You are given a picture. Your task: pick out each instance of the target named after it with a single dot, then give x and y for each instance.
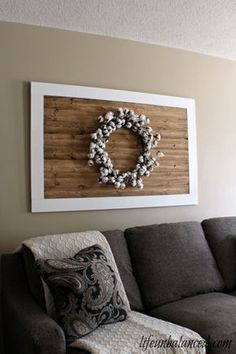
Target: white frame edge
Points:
(40, 204)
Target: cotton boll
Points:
(131, 118)
(160, 154)
(104, 179)
(157, 136)
(91, 156)
(141, 172)
(92, 146)
(105, 131)
(117, 185)
(109, 165)
(97, 160)
(120, 179)
(112, 180)
(144, 134)
(146, 154)
(154, 144)
(105, 171)
(109, 115)
(140, 183)
(104, 159)
(100, 144)
(94, 136)
(142, 117)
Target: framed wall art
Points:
(95, 148)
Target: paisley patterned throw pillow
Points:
(85, 291)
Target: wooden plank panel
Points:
(68, 123)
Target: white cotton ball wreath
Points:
(98, 155)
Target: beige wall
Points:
(33, 53)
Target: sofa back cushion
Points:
(120, 252)
(172, 261)
(221, 236)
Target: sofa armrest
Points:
(27, 328)
(1, 320)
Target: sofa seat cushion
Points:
(212, 315)
(119, 247)
(172, 261)
(128, 337)
(221, 236)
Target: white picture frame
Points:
(41, 204)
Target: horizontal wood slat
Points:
(68, 123)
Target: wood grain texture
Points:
(68, 123)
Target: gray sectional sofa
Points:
(183, 273)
